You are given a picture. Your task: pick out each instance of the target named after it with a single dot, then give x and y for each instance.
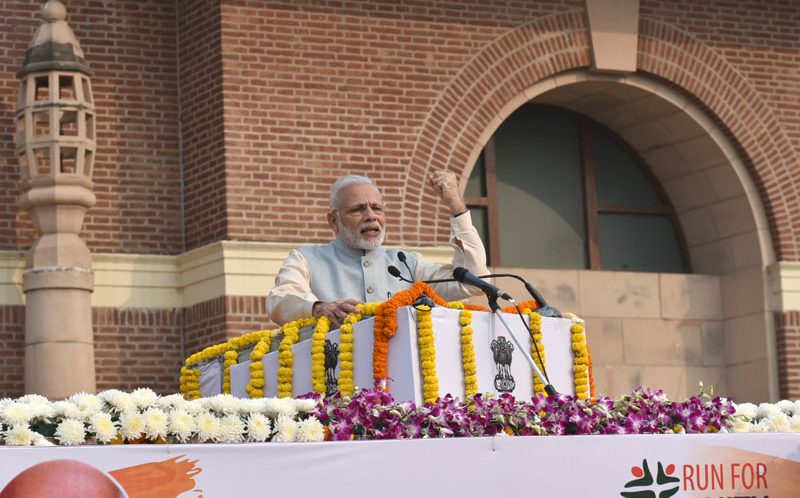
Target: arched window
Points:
(555, 189)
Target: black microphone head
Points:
(459, 273)
(401, 256)
(393, 271)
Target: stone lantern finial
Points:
(55, 144)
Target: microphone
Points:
(402, 257)
(395, 272)
(466, 277)
(544, 308)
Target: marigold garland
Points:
(345, 379)
(190, 383)
(427, 354)
(386, 326)
(255, 386)
(231, 359)
(318, 354)
(291, 333)
(468, 354)
(580, 354)
(535, 322)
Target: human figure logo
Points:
(663, 486)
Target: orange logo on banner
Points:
(167, 479)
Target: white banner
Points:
(648, 466)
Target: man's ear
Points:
(332, 222)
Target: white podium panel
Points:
(495, 373)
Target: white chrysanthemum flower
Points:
(767, 410)
(88, 404)
(231, 429)
(144, 397)
(170, 402)
(762, 425)
(182, 424)
(132, 425)
(222, 403)
(740, 425)
(208, 427)
(285, 429)
(16, 414)
(157, 423)
(103, 428)
(785, 406)
(280, 406)
(39, 440)
(67, 409)
(794, 423)
(19, 435)
(120, 401)
(71, 432)
(34, 399)
(779, 423)
(195, 406)
(309, 429)
(746, 410)
(259, 427)
(305, 405)
(248, 405)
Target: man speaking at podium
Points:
(331, 279)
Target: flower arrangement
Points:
(385, 327)
(116, 417)
(375, 415)
(783, 416)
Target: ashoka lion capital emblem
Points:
(502, 349)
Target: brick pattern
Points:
(787, 339)
(137, 348)
(743, 71)
(12, 351)
(201, 107)
(131, 47)
(246, 314)
(316, 89)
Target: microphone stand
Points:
(548, 387)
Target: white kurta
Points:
(333, 271)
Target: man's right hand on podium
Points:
(336, 311)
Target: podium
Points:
(496, 373)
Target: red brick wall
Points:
(132, 49)
(201, 101)
(12, 351)
(137, 348)
(787, 339)
(740, 61)
(316, 89)
(214, 321)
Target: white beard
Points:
(354, 240)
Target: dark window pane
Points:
(476, 184)
(638, 243)
(619, 180)
(539, 190)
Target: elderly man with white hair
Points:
(331, 279)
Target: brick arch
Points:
(501, 71)
(672, 55)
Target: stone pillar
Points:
(55, 148)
